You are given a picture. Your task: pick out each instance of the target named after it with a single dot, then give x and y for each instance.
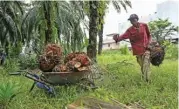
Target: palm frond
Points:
(128, 3)
(124, 3)
(19, 5)
(116, 6)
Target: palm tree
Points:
(57, 22)
(93, 16)
(71, 33)
(96, 15)
(103, 6)
(10, 23)
(41, 17)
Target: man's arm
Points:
(122, 37)
(148, 33)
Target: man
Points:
(139, 36)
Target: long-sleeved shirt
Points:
(139, 38)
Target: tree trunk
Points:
(48, 32)
(100, 45)
(7, 48)
(91, 49)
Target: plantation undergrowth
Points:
(121, 81)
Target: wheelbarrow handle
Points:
(37, 81)
(40, 84)
(15, 73)
(29, 75)
(33, 77)
(19, 72)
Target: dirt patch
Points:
(93, 103)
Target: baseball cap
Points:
(133, 16)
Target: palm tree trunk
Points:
(91, 49)
(100, 45)
(7, 48)
(48, 32)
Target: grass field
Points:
(121, 81)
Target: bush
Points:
(15, 50)
(28, 62)
(8, 90)
(171, 50)
(124, 50)
(108, 52)
(11, 64)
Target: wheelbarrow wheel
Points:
(87, 84)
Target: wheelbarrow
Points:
(47, 80)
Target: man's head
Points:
(133, 19)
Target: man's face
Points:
(134, 22)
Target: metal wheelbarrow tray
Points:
(63, 78)
(46, 80)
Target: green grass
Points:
(121, 81)
(128, 87)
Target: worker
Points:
(140, 38)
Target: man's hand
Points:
(152, 44)
(115, 37)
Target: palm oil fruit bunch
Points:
(50, 58)
(78, 61)
(157, 54)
